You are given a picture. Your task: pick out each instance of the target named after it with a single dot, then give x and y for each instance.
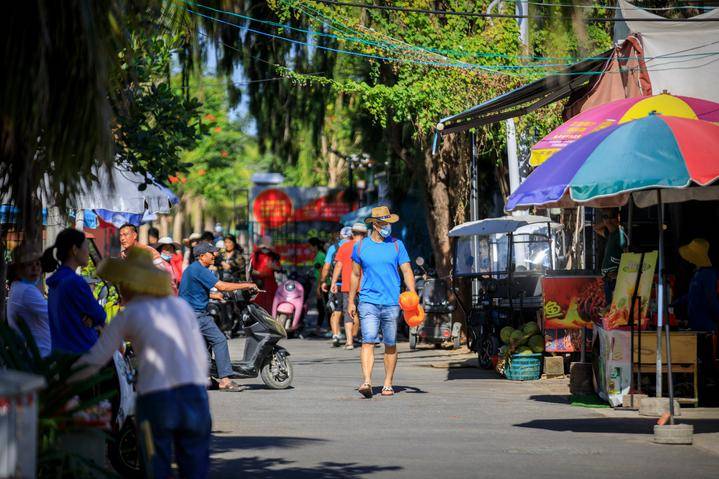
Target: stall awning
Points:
(529, 97)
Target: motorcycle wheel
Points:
(488, 347)
(277, 372)
(123, 450)
(412, 340)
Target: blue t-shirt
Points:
(197, 281)
(332, 250)
(69, 302)
(380, 273)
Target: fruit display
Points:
(517, 338)
(524, 341)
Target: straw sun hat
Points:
(382, 213)
(136, 273)
(696, 253)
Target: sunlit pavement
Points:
(444, 422)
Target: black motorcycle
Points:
(484, 323)
(438, 327)
(262, 356)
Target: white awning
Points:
(501, 225)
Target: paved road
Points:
(445, 422)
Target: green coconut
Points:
(536, 343)
(505, 334)
(530, 328)
(524, 351)
(517, 337)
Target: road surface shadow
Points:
(276, 468)
(233, 443)
(616, 425)
(471, 373)
(551, 398)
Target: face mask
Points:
(166, 256)
(385, 231)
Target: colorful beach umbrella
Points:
(601, 169)
(617, 113)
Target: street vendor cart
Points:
(505, 258)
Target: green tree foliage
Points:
(154, 121)
(223, 162)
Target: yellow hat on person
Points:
(382, 213)
(696, 253)
(136, 273)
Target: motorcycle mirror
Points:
(419, 261)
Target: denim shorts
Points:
(376, 317)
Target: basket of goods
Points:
(520, 358)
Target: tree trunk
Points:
(195, 208)
(445, 177)
(178, 223)
(164, 226)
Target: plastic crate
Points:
(524, 367)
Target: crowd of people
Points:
(165, 289)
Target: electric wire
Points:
(484, 69)
(612, 7)
(429, 11)
(388, 46)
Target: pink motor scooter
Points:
(289, 306)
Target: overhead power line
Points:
(494, 69)
(429, 11)
(612, 7)
(355, 37)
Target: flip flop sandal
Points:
(387, 391)
(365, 390)
(349, 346)
(232, 388)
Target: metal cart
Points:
(505, 259)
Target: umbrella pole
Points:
(661, 300)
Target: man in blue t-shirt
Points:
(195, 288)
(378, 259)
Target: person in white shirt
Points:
(172, 405)
(26, 301)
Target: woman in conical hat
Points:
(172, 406)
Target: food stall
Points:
(505, 259)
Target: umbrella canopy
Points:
(118, 191)
(501, 225)
(617, 113)
(603, 168)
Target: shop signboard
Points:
(293, 215)
(618, 314)
(571, 303)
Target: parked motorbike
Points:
(438, 327)
(289, 305)
(484, 323)
(262, 355)
(123, 447)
